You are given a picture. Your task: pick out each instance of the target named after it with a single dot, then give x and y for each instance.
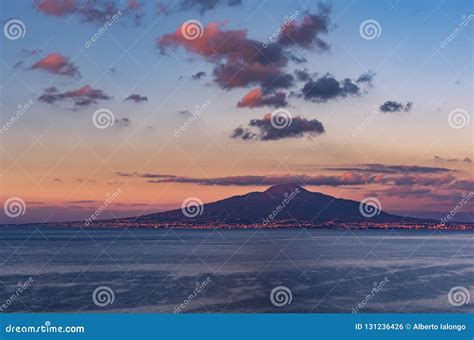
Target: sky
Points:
(144, 104)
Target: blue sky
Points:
(57, 140)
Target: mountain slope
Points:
(282, 202)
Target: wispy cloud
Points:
(81, 97)
(451, 160)
(391, 169)
(136, 98)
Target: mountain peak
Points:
(284, 202)
(286, 188)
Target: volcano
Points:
(277, 205)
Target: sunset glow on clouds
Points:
(366, 116)
(57, 64)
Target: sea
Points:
(235, 270)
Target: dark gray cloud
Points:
(136, 98)
(254, 180)
(83, 201)
(202, 6)
(393, 106)
(122, 122)
(306, 34)
(302, 75)
(397, 185)
(407, 192)
(198, 75)
(449, 160)
(366, 77)
(242, 74)
(297, 59)
(81, 97)
(392, 169)
(264, 130)
(467, 185)
(185, 112)
(18, 64)
(327, 87)
(93, 11)
(410, 180)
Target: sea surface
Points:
(223, 271)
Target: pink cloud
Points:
(57, 64)
(56, 7)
